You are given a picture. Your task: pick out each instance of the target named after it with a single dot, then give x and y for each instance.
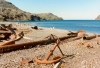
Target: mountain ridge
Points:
(9, 12)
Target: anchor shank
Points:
(47, 57)
(57, 46)
(51, 51)
(60, 51)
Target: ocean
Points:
(92, 26)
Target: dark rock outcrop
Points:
(9, 12)
(98, 18)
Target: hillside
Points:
(9, 12)
(98, 18)
(49, 16)
(5, 4)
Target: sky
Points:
(67, 9)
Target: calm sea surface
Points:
(74, 25)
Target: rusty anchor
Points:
(45, 61)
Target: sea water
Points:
(92, 26)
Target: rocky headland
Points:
(98, 18)
(9, 12)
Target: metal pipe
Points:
(12, 47)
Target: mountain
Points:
(9, 12)
(5, 4)
(98, 18)
(48, 16)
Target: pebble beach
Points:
(76, 55)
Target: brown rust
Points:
(6, 36)
(13, 47)
(8, 29)
(8, 43)
(89, 46)
(3, 27)
(53, 36)
(25, 62)
(79, 33)
(90, 37)
(46, 61)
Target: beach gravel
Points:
(76, 55)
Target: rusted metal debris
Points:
(54, 37)
(8, 43)
(25, 62)
(3, 27)
(9, 33)
(13, 47)
(55, 59)
(6, 35)
(79, 33)
(46, 60)
(89, 46)
(91, 38)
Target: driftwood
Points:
(13, 47)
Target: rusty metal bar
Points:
(13, 47)
(8, 43)
(58, 46)
(90, 37)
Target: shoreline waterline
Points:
(91, 26)
(51, 28)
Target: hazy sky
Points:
(67, 9)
